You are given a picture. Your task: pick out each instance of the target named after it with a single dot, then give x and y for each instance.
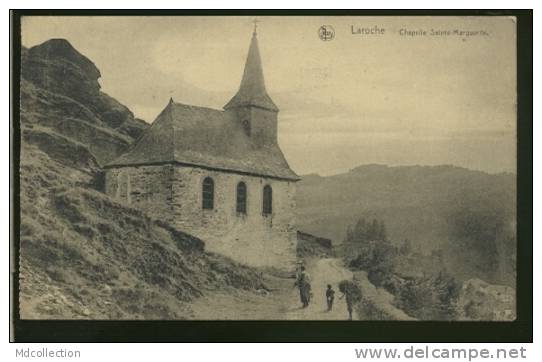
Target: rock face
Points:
(82, 254)
(61, 97)
(479, 300)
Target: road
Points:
(322, 273)
(283, 302)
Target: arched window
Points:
(208, 193)
(241, 198)
(267, 207)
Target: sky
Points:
(397, 98)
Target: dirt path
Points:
(283, 302)
(322, 273)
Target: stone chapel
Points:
(217, 174)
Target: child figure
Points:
(330, 295)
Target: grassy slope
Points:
(84, 255)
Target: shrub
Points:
(377, 258)
(429, 298)
(351, 289)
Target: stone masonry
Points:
(173, 193)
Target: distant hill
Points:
(82, 254)
(468, 215)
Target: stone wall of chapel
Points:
(251, 238)
(146, 187)
(174, 194)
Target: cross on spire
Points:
(252, 91)
(255, 21)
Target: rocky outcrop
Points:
(57, 67)
(479, 300)
(60, 93)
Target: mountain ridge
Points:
(368, 166)
(436, 208)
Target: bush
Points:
(351, 289)
(432, 297)
(429, 298)
(372, 311)
(377, 258)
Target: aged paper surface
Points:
(299, 168)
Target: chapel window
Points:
(208, 193)
(267, 206)
(241, 198)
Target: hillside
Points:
(468, 216)
(83, 255)
(60, 96)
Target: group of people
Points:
(303, 282)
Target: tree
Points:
(349, 234)
(363, 231)
(406, 247)
(429, 297)
(360, 230)
(375, 257)
(382, 233)
(374, 230)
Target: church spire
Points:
(252, 90)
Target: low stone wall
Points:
(313, 246)
(326, 243)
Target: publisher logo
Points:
(326, 33)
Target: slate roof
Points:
(204, 137)
(211, 138)
(252, 90)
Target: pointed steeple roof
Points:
(252, 90)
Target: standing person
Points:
(304, 285)
(298, 283)
(330, 295)
(307, 287)
(352, 293)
